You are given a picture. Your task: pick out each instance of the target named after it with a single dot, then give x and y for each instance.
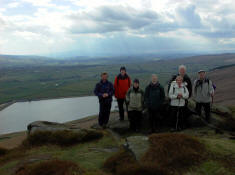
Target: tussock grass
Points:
(174, 151)
(124, 163)
(167, 154)
(52, 167)
(118, 160)
(12, 155)
(61, 138)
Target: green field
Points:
(40, 82)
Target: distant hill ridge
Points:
(224, 79)
(223, 67)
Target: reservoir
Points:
(17, 116)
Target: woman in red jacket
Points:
(121, 85)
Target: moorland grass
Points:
(51, 167)
(61, 138)
(167, 154)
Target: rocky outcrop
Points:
(49, 126)
(138, 145)
(221, 118)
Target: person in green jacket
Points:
(135, 102)
(154, 98)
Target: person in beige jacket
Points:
(135, 102)
(203, 93)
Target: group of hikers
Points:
(180, 89)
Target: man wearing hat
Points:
(203, 93)
(122, 83)
(104, 90)
(135, 102)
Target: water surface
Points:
(17, 116)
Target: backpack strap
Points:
(129, 81)
(169, 83)
(184, 89)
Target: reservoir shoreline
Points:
(5, 105)
(15, 116)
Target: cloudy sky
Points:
(90, 27)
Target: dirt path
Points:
(13, 140)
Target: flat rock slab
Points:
(120, 127)
(106, 150)
(221, 110)
(138, 145)
(49, 126)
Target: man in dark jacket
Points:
(182, 73)
(122, 83)
(104, 90)
(154, 98)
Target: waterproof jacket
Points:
(175, 90)
(121, 86)
(104, 87)
(185, 79)
(202, 91)
(154, 96)
(135, 99)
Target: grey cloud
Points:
(118, 18)
(37, 29)
(218, 34)
(111, 19)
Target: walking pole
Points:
(177, 120)
(212, 100)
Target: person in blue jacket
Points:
(104, 90)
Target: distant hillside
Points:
(224, 79)
(26, 78)
(202, 61)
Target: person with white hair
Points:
(154, 98)
(182, 72)
(178, 94)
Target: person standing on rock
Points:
(178, 94)
(154, 98)
(104, 90)
(203, 93)
(122, 83)
(135, 102)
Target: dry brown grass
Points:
(3, 152)
(175, 152)
(120, 158)
(168, 154)
(16, 153)
(52, 167)
(61, 138)
(124, 163)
